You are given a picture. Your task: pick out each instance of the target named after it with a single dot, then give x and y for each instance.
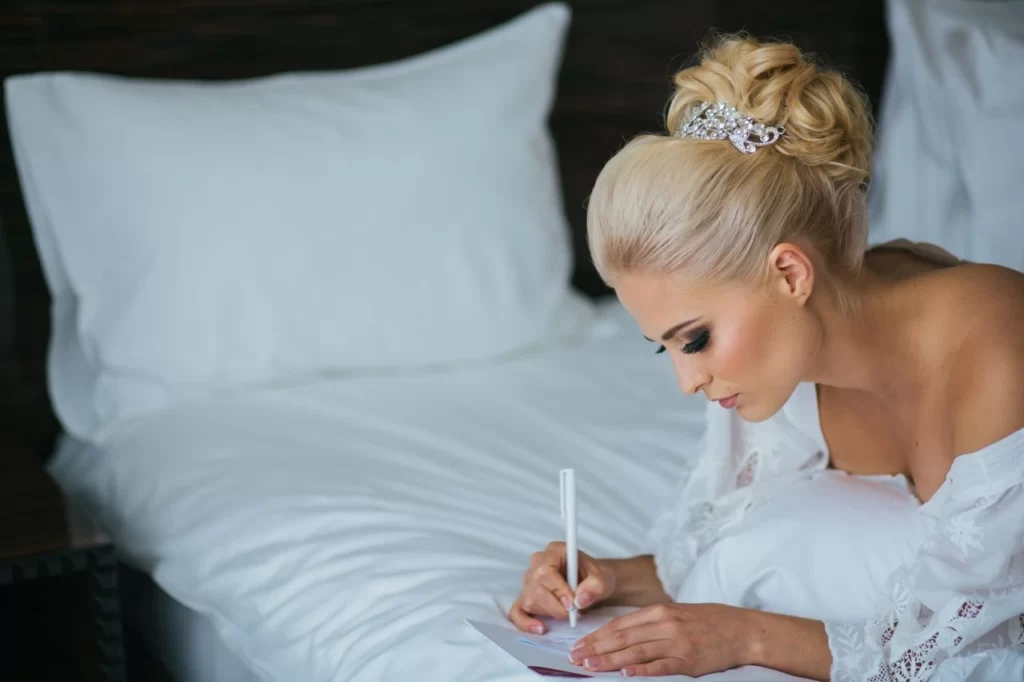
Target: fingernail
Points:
(582, 600)
(538, 629)
(592, 662)
(575, 656)
(626, 672)
(578, 645)
(567, 603)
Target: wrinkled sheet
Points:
(342, 529)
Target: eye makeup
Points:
(699, 342)
(695, 346)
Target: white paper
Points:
(561, 637)
(550, 650)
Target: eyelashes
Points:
(695, 346)
(698, 344)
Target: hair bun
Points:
(825, 116)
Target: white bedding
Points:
(341, 530)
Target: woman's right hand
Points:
(546, 593)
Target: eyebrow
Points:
(667, 336)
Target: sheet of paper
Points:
(561, 636)
(548, 654)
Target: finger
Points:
(624, 639)
(539, 602)
(553, 555)
(638, 654)
(549, 578)
(591, 590)
(523, 621)
(648, 614)
(664, 666)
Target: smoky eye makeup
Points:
(698, 343)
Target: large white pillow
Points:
(822, 549)
(949, 162)
(203, 235)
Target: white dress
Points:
(956, 612)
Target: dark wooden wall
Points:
(614, 83)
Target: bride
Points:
(738, 244)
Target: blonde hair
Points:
(664, 204)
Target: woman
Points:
(738, 243)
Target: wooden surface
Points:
(614, 83)
(59, 602)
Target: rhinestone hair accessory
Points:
(721, 120)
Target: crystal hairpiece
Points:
(721, 120)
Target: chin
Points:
(753, 410)
(750, 414)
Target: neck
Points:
(869, 349)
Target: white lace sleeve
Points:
(740, 464)
(684, 530)
(957, 611)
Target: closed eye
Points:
(698, 344)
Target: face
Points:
(747, 347)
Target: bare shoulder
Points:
(983, 310)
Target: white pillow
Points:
(949, 160)
(203, 235)
(822, 549)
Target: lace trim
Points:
(919, 662)
(748, 473)
(858, 653)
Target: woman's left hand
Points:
(669, 639)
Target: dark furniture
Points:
(60, 612)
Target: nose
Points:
(691, 377)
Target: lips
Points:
(730, 402)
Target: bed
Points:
(397, 506)
(340, 527)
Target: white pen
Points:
(567, 485)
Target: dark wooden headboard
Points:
(614, 83)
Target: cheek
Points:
(741, 352)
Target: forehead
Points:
(661, 301)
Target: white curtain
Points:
(949, 162)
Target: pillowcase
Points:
(948, 161)
(822, 549)
(201, 236)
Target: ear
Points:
(791, 272)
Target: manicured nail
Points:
(538, 629)
(582, 600)
(578, 645)
(567, 603)
(592, 662)
(626, 672)
(575, 656)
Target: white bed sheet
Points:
(342, 529)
